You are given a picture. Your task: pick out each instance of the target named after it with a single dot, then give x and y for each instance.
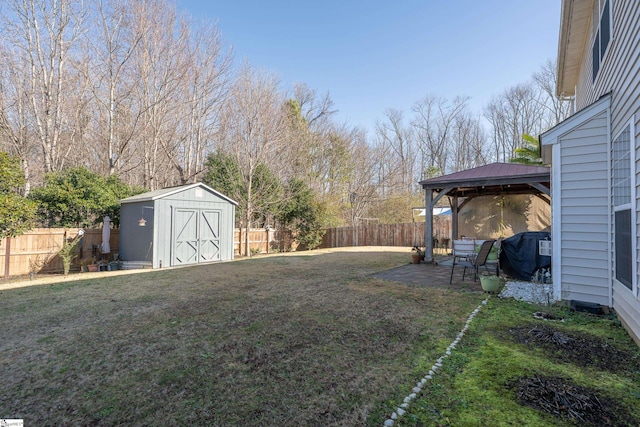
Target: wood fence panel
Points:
(262, 241)
(404, 234)
(38, 249)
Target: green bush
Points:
(78, 197)
(17, 214)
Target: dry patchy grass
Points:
(280, 340)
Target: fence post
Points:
(7, 257)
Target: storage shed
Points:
(175, 226)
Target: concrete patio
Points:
(432, 275)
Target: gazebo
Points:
(495, 179)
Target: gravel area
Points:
(536, 293)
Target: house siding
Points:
(636, 170)
(626, 306)
(583, 213)
(625, 301)
(620, 71)
(619, 75)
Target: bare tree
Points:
(395, 139)
(557, 109)
(203, 91)
(346, 164)
(360, 188)
(516, 111)
(253, 131)
(45, 35)
(433, 121)
(14, 114)
(527, 108)
(113, 40)
(160, 68)
(468, 147)
(311, 138)
(336, 165)
(315, 111)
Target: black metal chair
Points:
(474, 261)
(495, 262)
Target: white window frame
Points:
(598, 31)
(630, 206)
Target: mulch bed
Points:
(559, 396)
(573, 347)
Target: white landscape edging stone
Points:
(402, 409)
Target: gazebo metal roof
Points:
(493, 179)
(490, 180)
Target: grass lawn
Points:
(290, 340)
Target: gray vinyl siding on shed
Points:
(135, 241)
(187, 200)
(204, 216)
(584, 215)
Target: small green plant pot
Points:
(491, 284)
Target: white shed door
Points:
(196, 236)
(209, 236)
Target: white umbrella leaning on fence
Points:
(106, 234)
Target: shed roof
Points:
(164, 192)
(491, 179)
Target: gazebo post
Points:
(428, 229)
(454, 218)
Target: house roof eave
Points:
(552, 135)
(575, 19)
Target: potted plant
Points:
(493, 254)
(115, 263)
(491, 283)
(417, 255)
(84, 264)
(93, 267)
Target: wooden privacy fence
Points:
(262, 241)
(405, 234)
(37, 250)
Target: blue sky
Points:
(373, 55)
